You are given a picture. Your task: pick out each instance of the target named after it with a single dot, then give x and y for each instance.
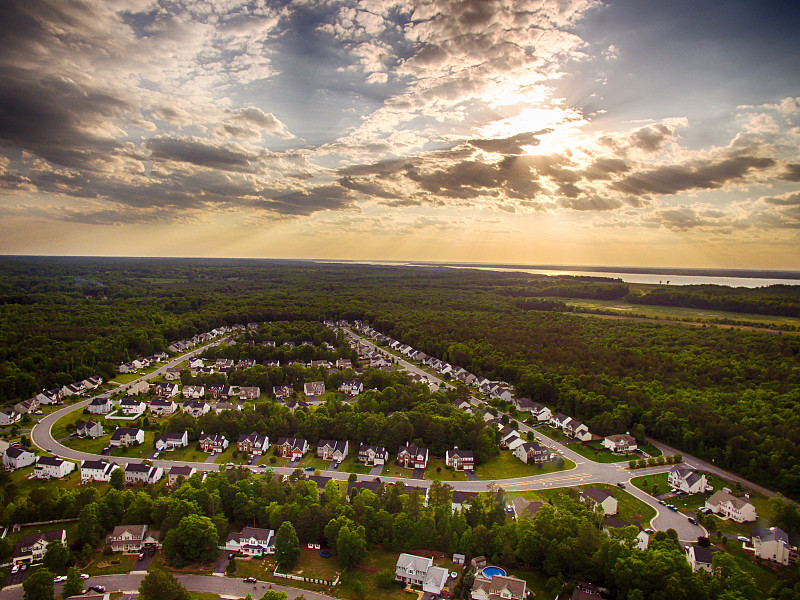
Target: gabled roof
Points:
(49, 461)
(596, 494)
(417, 563)
(137, 468)
(773, 534)
(515, 586)
(122, 431)
(702, 555)
(460, 497)
(461, 453)
(181, 470)
(16, 452)
(100, 465)
(294, 443)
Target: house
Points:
(558, 420)
(508, 435)
(620, 444)
(51, 467)
(344, 363)
(196, 409)
(463, 405)
(772, 544)
(126, 436)
(251, 541)
(314, 388)
(459, 499)
(282, 391)
(172, 374)
(132, 538)
(17, 458)
(294, 448)
(249, 393)
(577, 430)
(26, 406)
(699, 558)
(687, 481)
(435, 580)
(595, 497)
(411, 569)
(127, 368)
(142, 473)
(167, 390)
(372, 455)
(293, 405)
(413, 456)
(223, 406)
(213, 443)
(181, 471)
(53, 396)
(129, 406)
(9, 416)
(163, 406)
(73, 389)
(460, 460)
(96, 470)
(524, 404)
(170, 441)
(99, 406)
(140, 387)
(90, 429)
(499, 587)
(532, 452)
(223, 364)
(333, 449)
(728, 506)
(525, 508)
(351, 388)
(642, 537)
(253, 443)
(193, 392)
(31, 548)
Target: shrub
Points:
(678, 458)
(669, 460)
(273, 460)
(107, 551)
(651, 461)
(231, 568)
(385, 579)
(641, 463)
(660, 460)
(632, 463)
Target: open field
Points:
(626, 309)
(508, 466)
(125, 378)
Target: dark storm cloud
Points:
(792, 172)
(510, 145)
(201, 153)
(704, 175)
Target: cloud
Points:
(251, 122)
(307, 202)
(510, 145)
(201, 153)
(650, 139)
(789, 199)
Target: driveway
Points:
(254, 459)
(376, 470)
(211, 458)
(418, 474)
(471, 475)
(141, 566)
(16, 578)
(293, 464)
(222, 564)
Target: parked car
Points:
(310, 469)
(100, 589)
(84, 576)
(622, 485)
(692, 520)
(742, 538)
(24, 566)
(15, 568)
(231, 555)
(59, 578)
(250, 580)
(141, 556)
(151, 551)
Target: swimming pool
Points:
(490, 572)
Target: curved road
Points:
(227, 587)
(584, 472)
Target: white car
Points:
(59, 578)
(741, 538)
(15, 568)
(84, 576)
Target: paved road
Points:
(224, 586)
(584, 472)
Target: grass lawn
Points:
(87, 444)
(438, 471)
(203, 596)
(629, 508)
(655, 485)
(125, 378)
(393, 469)
(59, 429)
(595, 452)
(143, 450)
(188, 454)
(280, 461)
(554, 434)
(71, 528)
(537, 583)
(311, 460)
(227, 457)
(508, 466)
(110, 565)
(351, 465)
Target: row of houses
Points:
(14, 414)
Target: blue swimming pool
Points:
(490, 572)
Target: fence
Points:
(335, 582)
(17, 526)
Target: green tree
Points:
(39, 585)
(287, 546)
(273, 595)
(90, 530)
(117, 479)
(56, 556)
(351, 546)
(73, 586)
(195, 539)
(161, 585)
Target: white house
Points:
(499, 587)
(251, 541)
(372, 455)
(531, 452)
(167, 390)
(170, 441)
(96, 470)
(163, 406)
(729, 506)
(333, 449)
(17, 458)
(351, 388)
(196, 409)
(131, 406)
(132, 538)
(31, 548)
(577, 430)
(620, 444)
(411, 569)
(193, 392)
(599, 498)
(126, 436)
(142, 473)
(90, 429)
(180, 471)
(51, 467)
(687, 480)
(772, 544)
(140, 387)
(9, 416)
(99, 406)
(699, 558)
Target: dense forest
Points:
(726, 395)
(780, 300)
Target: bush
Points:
(273, 460)
(107, 551)
(641, 463)
(678, 458)
(651, 461)
(632, 463)
(198, 447)
(231, 568)
(669, 460)
(235, 454)
(385, 579)
(660, 460)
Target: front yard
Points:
(596, 452)
(188, 454)
(110, 565)
(508, 466)
(438, 471)
(352, 465)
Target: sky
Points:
(573, 132)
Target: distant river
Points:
(661, 276)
